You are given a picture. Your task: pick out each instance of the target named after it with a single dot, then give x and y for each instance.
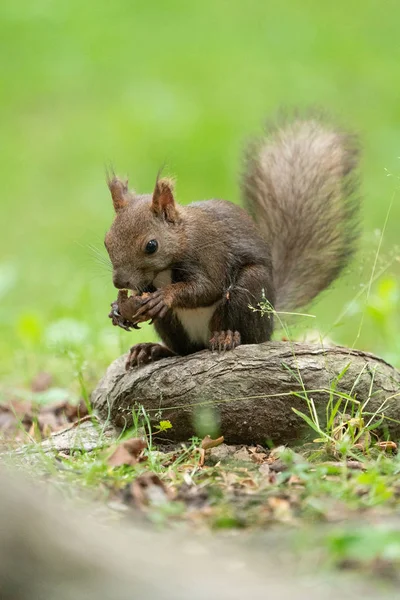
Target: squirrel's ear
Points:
(163, 204)
(119, 192)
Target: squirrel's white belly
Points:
(196, 322)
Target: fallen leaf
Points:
(208, 442)
(17, 417)
(147, 490)
(387, 446)
(360, 446)
(258, 454)
(248, 483)
(127, 453)
(280, 508)
(41, 382)
(275, 453)
(229, 479)
(76, 411)
(202, 457)
(34, 432)
(47, 430)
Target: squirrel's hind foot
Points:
(224, 340)
(141, 354)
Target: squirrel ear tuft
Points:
(163, 204)
(119, 191)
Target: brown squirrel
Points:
(197, 270)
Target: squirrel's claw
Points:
(119, 321)
(153, 307)
(141, 354)
(224, 340)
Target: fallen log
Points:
(251, 391)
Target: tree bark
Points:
(250, 392)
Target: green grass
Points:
(143, 84)
(340, 513)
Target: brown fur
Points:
(163, 204)
(300, 186)
(213, 262)
(119, 192)
(134, 225)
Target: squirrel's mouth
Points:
(145, 289)
(148, 289)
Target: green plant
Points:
(348, 425)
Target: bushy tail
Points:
(300, 186)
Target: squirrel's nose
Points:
(120, 282)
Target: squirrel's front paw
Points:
(118, 320)
(122, 310)
(225, 340)
(153, 306)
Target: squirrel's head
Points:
(145, 237)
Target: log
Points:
(85, 435)
(251, 391)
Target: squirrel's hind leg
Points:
(141, 354)
(234, 322)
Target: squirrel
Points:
(198, 271)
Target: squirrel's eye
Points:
(151, 247)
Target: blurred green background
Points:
(142, 84)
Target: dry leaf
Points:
(147, 490)
(76, 411)
(47, 430)
(248, 483)
(41, 382)
(387, 446)
(34, 432)
(127, 453)
(280, 508)
(17, 418)
(295, 480)
(208, 442)
(202, 457)
(258, 454)
(275, 454)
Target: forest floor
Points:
(336, 512)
